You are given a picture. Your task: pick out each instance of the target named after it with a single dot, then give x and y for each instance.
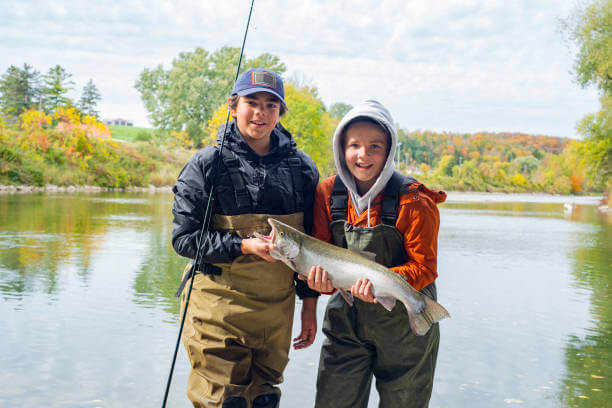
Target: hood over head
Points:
(376, 111)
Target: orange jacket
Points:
(418, 220)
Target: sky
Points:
(439, 65)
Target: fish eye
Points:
(282, 233)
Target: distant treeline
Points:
(511, 162)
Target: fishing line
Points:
(206, 220)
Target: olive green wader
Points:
(237, 331)
(367, 339)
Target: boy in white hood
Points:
(370, 208)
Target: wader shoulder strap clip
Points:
(232, 164)
(295, 165)
(208, 270)
(338, 201)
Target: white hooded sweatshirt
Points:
(373, 110)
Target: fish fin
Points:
(347, 296)
(388, 302)
(432, 312)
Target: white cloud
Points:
(464, 65)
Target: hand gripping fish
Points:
(344, 267)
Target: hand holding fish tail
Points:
(362, 289)
(259, 247)
(317, 280)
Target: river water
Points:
(88, 317)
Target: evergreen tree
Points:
(57, 84)
(89, 99)
(19, 90)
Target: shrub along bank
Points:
(67, 148)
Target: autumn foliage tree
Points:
(590, 28)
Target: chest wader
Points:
(237, 330)
(366, 339)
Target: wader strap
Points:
(390, 199)
(232, 164)
(295, 164)
(208, 270)
(338, 201)
(391, 195)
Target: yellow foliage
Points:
(518, 179)
(180, 139)
(68, 115)
(214, 123)
(311, 127)
(95, 128)
(34, 120)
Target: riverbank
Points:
(452, 196)
(472, 197)
(50, 188)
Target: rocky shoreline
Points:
(51, 188)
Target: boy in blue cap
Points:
(238, 326)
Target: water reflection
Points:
(88, 315)
(588, 358)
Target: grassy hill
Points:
(131, 133)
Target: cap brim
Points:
(251, 91)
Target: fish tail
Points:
(432, 312)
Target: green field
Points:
(131, 133)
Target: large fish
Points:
(344, 267)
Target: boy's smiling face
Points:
(256, 115)
(366, 146)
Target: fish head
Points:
(286, 241)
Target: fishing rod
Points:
(206, 220)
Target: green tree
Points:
(339, 109)
(445, 166)
(526, 164)
(19, 90)
(57, 84)
(89, 99)
(597, 146)
(185, 96)
(590, 28)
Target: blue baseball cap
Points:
(260, 80)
